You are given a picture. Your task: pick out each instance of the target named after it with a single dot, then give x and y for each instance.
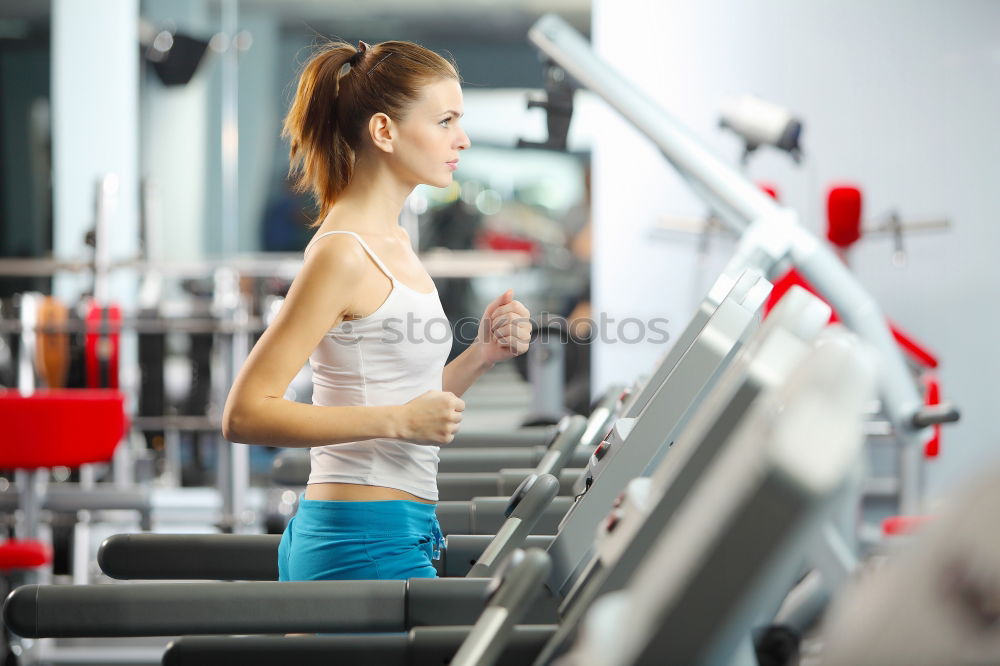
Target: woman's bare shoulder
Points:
(332, 267)
(335, 252)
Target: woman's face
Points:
(430, 137)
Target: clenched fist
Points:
(505, 329)
(431, 418)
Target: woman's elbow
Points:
(233, 422)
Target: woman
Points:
(368, 125)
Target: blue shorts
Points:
(382, 540)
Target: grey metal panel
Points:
(69, 498)
(529, 436)
(433, 646)
(489, 460)
(457, 486)
(769, 358)
(653, 430)
(712, 427)
(744, 527)
(454, 517)
(385, 650)
(462, 550)
(725, 287)
(458, 602)
(422, 646)
(638, 401)
(488, 515)
(190, 556)
(171, 609)
(35, 611)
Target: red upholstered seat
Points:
(23, 554)
(60, 428)
(57, 428)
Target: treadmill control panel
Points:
(626, 515)
(615, 439)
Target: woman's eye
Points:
(444, 123)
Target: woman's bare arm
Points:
(464, 370)
(504, 332)
(256, 411)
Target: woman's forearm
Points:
(464, 370)
(275, 421)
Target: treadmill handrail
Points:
(771, 234)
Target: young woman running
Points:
(367, 126)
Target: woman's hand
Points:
(505, 329)
(431, 418)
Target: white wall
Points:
(181, 128)
(901, 97)
(175, 138)
(95, 99)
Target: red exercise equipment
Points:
(101, 346)
(64, 427)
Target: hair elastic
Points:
(359, 54)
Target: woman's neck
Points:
(372, 201)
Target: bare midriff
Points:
(356, 492)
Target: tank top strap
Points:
(371, 252)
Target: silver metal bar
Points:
(81, 549)
(178, 423)
(107, 201)
(171, 476)
(142, 325)
(439, 262)
(26, 353)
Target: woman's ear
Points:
(382, 131)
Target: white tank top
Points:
(387, 358)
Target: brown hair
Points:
(340, 89)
